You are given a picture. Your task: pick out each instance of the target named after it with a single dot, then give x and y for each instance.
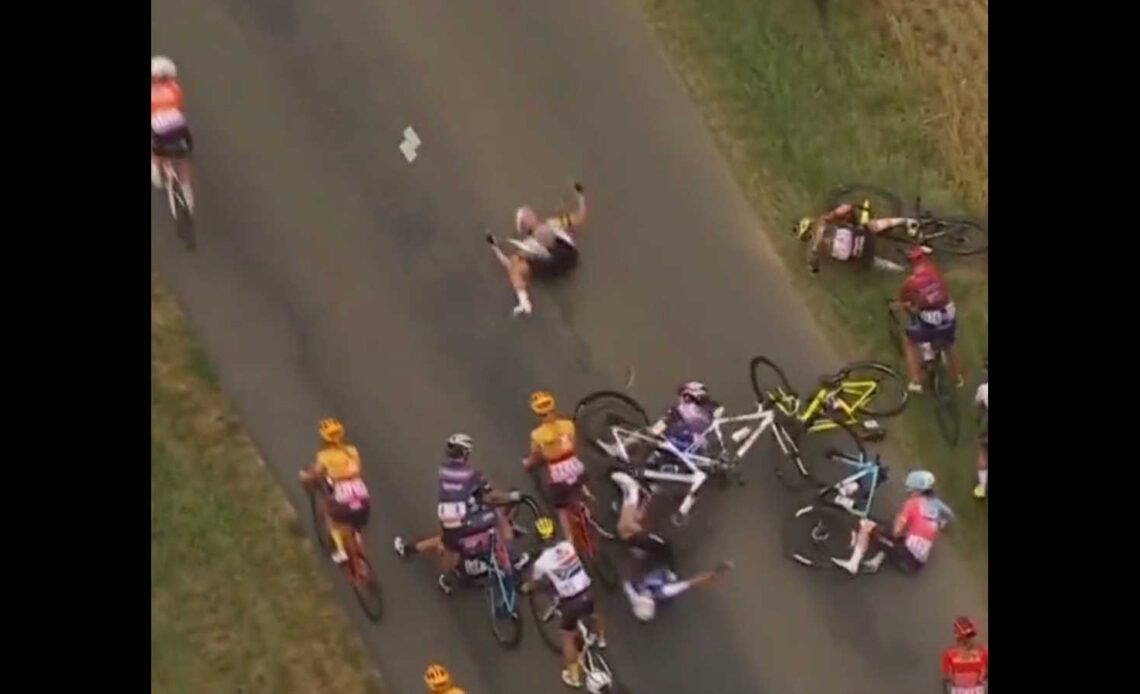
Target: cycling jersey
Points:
(461, 488)
(166, 106)
(553, 230)
(967, 669)
(848, 243)
(921, 517)
(554, 441)
(686, 421)
(561, 565)
(925, 289)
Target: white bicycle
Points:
(599, 678)
(178, 197)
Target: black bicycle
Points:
(956, 235)
(180, 209)
(937, 378)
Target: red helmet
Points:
(964, 628)
(915, 253)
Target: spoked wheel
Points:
(955, 235)
(597, 412)
(180, 210)
(367, 587)
(594, 665)
(771, 385)
(890, 395)
(944, 391)
(884, 203)
(324, 540)
(522, 517)
(502, 603)
(816, 534)
(547, 617)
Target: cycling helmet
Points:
(597, 682)
(459, 446)
(541, 402)
(694, 390)
(437, 678)
(331, 429)
(545, 528)
(964, 628)
(525, 219)
(912, 227)
(920, 481)
(802, 227)
(162, 68)
(864, 212)
(915, 253)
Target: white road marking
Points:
(410, 144)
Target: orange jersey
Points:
(554, 440)
(166, 106)
(967, 669)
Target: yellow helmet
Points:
(545, 528)
(437, 678)
(332, 430)
(864, 211)
(802, 228)
(541, 402)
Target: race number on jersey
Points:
(351, 493)
(451, 514)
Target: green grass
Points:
(888, 92)
(237, 602)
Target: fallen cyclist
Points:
(915, 530)
(847, 234)
(690, 417)
(652, 580)
(547, 247)
(467, 516)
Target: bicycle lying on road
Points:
(359, 571)
(956, 235)
(858, 389)
(599, 677)
(936, 377)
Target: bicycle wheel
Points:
(502, 603)
(956, 235)
(811, 449)
(183, 219)
(890, 396)
(884, 203)
(771, 385)
(367, 588)
(324, 541)
(522, 517)
(815, 534)
(945, 401)
(789, 466)
(597, 412)
(895, 328)
(547, 617)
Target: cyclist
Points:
(926, 298)
(689, 418)
(552, 442)
(438, 681)
(848, 233)
(652, 579)
(466, 516)
(916, 528)
(169, 131)
(344, 496)
(965, 665)
(559, 564)
(982, 399)
(546, 247)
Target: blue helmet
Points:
(920, 481)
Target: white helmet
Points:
(525, 219)
(597, 682)
(162, 67)
(920, 481)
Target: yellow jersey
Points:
(339, 462)
(554, 440)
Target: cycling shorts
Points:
(942, 335)
(562, 495)
(355, 517)
(576, 609)
(563, 258)
(173, 144)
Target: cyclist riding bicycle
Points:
(169, 131)
(553, 442)
(982, 400)
(965, 665)
(438, 681)
(653, 579)
(546, 248)
(915, 530)
(344, 496)
(688, 419)
(466, 517)
(560, 565)
(848, 234)
(926, 297)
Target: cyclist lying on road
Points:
(552, 443)
(559, 564)
(848, 233)
(933, 318)
(547, 247)
(652, 579)
(916, 528)
(688, 419)
(466, 518)
(344, 496)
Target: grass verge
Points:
(806, 96)
(237, 602)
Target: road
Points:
(334, 277)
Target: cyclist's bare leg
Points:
(956, 366)
(185, 171)
(518, 274)
(913, 361)
(156, 170)
(862, 543)
(565, 519)
(983, 468)
(570, 650)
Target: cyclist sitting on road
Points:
(965, 665)
(916, 528)
(689, 418)
(652, 579)
(559, 564)
(848, 232)
(438, 681)
(466, 518)
(552, 442)
(344, 496)
(926, 298)
(169, 132)
(548, 246)
(982, 399)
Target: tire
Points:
(894, 329)
(323, 539)
(770, 384)
(629, 412)
(522, 517)
(884, 203)
(885, 402)
(547, 619)
(960, 236)
(789, 465)
(506, 625)
(816, 533)
(368, 593)
(945, 402)
(183, 219)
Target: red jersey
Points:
(924, 288)
(166, 106)
(967, 669)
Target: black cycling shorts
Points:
(563, 258)
(355, 517)
(173, 144)
(576, 609)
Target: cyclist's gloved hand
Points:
(578, 188)
(514, 495)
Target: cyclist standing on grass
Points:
(344, 496)
(965, 665)
(982, 399)
(926, 297)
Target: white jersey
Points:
(561, 565)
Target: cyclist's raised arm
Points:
(578, 217)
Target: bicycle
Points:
(586, 534)
(826, 522)
(956, 235)
(862, 387)
(359, 571)
(935, 376)
(180, 209)
(598, 674)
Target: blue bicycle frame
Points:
(502, 591)
(866, 475)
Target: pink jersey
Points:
(921, 516)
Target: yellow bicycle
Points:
(855, 396)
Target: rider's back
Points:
(554, 440)
(340, 462)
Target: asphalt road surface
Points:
(332, 276)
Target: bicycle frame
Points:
(829, 398)
(863, 469)
(500, 572)
(171, 177)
